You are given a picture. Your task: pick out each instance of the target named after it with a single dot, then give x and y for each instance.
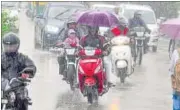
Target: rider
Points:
(138, 21)
(72, 37)
(71, 24)
(95, 40)
(61, 59)
(13, 62)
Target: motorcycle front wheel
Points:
(70, 76)
(22, 105)
(139, 55)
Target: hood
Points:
(56, 22)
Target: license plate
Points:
(140, 34)
(4, 101)
(89, 52)
(70, 51)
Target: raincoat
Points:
(11, 66)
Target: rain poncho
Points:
(12, 65)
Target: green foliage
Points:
(7, 22)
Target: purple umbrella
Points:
(171, 28)
(98, 18)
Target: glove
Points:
(25, 76)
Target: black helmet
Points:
(10, 43)
(93, 29)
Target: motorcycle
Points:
(69, 50)
(121, 57)
(91, 73)
(12, 90)
(71, 64)
(139, 43)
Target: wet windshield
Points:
(62, 12)
(147, 16)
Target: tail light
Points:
(116, 31)
(98, 52)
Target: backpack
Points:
(176, 76)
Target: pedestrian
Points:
(175, 76)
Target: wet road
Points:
(148, 88)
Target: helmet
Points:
(11, 43)
(70, 22)
(93, 29)
(136, 13)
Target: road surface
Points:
(149, 88)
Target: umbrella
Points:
(98, 18)
(171, 28)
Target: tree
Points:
(7, 23)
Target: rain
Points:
(149, 86)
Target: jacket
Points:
(11, 66)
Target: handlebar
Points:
(24, 80)
(20, 79)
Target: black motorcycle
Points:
(14, 94)
(139, 45)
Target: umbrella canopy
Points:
(98, 18)
(171, 28)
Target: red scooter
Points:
(91, 73)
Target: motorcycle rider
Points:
(71, 24)
(138, 21)
(61, 59)
(13, 62)
(72, 37)
(95, 40)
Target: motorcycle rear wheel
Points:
(122, 75)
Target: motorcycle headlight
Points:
(53, 29)
(97, 69)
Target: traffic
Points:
(89, 44)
